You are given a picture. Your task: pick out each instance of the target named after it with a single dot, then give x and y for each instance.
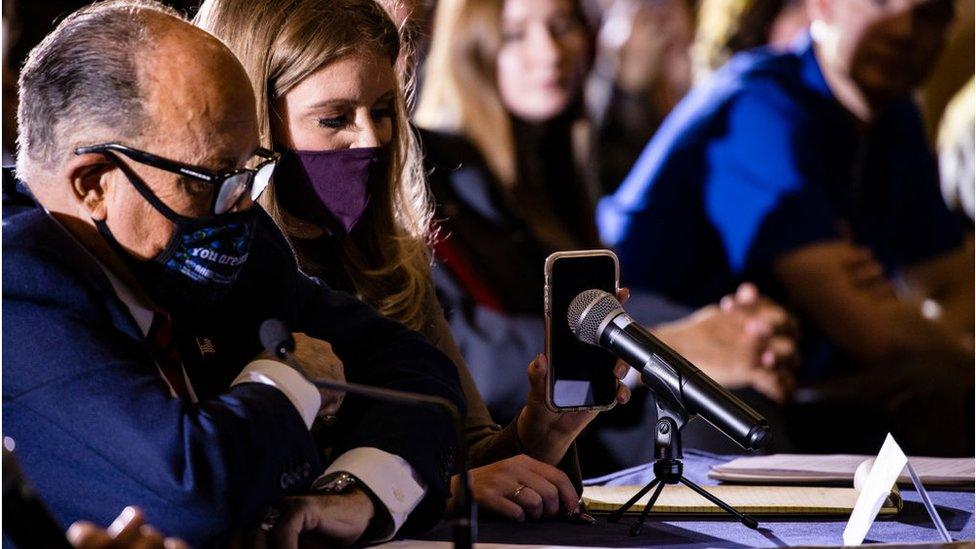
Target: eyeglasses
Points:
(229, 187)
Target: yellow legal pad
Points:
(751, 500)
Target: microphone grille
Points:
(274, 336)
(588, 311)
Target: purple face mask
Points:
(330, 188)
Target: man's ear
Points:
(87, 176)
(820, 10)
(823, 28)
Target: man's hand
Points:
(330, 519)
(546, 435)
(875, 326)
(129, 531)
(320, 362)
(745, 341)
(520, 488)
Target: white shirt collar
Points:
(143, 316)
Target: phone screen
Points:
(580, 374)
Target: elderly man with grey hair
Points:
(132, 298)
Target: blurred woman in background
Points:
(502, 100)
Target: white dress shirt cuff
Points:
(389, 477)
(302, 394)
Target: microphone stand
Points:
(668, 468)
(464, 528)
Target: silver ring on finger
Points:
(270, 519)
(517, 491)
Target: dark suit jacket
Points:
(96, 429)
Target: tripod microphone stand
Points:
(668, 469)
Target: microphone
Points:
(597, 318)
(278, 342)
(276, 339)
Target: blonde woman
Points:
(350, 195)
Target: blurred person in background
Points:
(784, 168)
(957, 147)
(501, 99)
(951, 70)
(726, 27)
(640, 72)
(648, 54)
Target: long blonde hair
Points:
(460, 90)
(282, 42)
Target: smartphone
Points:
(580, 375)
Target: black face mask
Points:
(202, 261)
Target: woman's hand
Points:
(546, 435)
(520, 488)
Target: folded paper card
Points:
(873, 480)
(839, 469)
(751, 500)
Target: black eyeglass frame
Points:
(188, 170)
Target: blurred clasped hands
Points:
(744, 341)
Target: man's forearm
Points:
(889, 329)
(870, 326)
(944, 285)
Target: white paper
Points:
(877, 487)
(840, 468)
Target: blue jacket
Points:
(761, 161)
(96, 430)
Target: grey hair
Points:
(83, 79)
